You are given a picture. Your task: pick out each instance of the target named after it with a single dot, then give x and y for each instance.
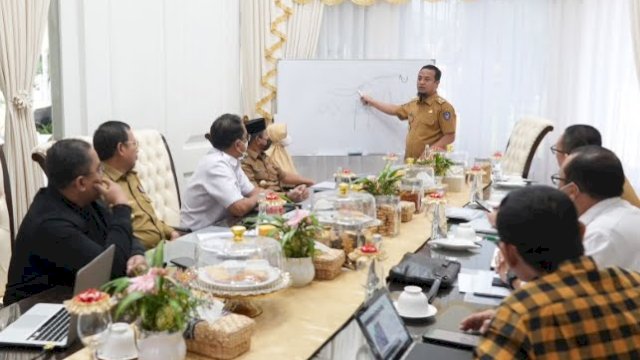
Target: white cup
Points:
(465, 232)
(412, 301)
(120, 344)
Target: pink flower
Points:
(144, 283)
(299, 216)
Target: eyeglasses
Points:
(556, 179)
(133, 143)
(555, 150)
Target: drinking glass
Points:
(93, 330)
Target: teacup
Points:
(412, 301)
(120, 344)
(465, 232)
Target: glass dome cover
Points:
(239, 262)
(342, 207)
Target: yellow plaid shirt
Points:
(576, 312)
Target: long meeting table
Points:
(316, 321)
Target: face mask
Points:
(268, 145)
(244, 153)
(286, 141)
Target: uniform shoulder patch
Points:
(446, 115)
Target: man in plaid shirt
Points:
(569, 309)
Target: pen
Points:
(493, 239)
(493, 296)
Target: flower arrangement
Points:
(297, 234)
(438, 161)
(386, 183)
(157, 300)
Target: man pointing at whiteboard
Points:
(432, 120)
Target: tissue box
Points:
(226, 338)
(328, 264)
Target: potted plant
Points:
(297, 236)
(385, 189)
(161, 306)
(438, 161)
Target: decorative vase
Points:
(388, 212)
(301, 271)
(164, 345)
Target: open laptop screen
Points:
(383, 328)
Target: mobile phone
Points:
(183, 262)
(457, 339)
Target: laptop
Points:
(51, 324)
(389, 339)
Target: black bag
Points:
(417, 269)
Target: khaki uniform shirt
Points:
(146, 226)
(429, 120)
(262, 171)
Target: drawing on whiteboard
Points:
(320, 103)
(380, 87)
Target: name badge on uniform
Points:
(446, 115)
(430, 111)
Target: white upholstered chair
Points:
(158, 175)
(525, 138)
(155, 169)
(7, 232)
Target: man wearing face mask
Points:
(263, 172)
(593, 178)
(219, 192)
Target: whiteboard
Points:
(319, 102)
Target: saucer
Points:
(455, 244)
(104, 357)
(427, 312)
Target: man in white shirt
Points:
(219, 192)
(593, 178)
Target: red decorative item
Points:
(90, 296)
(436, 195)
(368, 249)
(476, 168)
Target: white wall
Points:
(166, 64)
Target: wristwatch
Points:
(511, 277)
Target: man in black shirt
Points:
(65, 227)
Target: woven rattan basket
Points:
(227, 338)
(328, 264)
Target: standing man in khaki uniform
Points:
(432, 120)
(263, 172)
(117, 148)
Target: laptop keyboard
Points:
(55, 329)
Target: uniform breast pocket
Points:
(427, 119)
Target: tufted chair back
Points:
(158, 175)
(7, 232)
(523, 142)
(155, 170)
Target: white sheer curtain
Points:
(303, 30)
(570, 61)
(256, 38)
(22, 23)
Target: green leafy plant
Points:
(386, 183)
(297, 234)
(154, 298)
(438, 161)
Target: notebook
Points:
(388, 337)
(47, 323)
